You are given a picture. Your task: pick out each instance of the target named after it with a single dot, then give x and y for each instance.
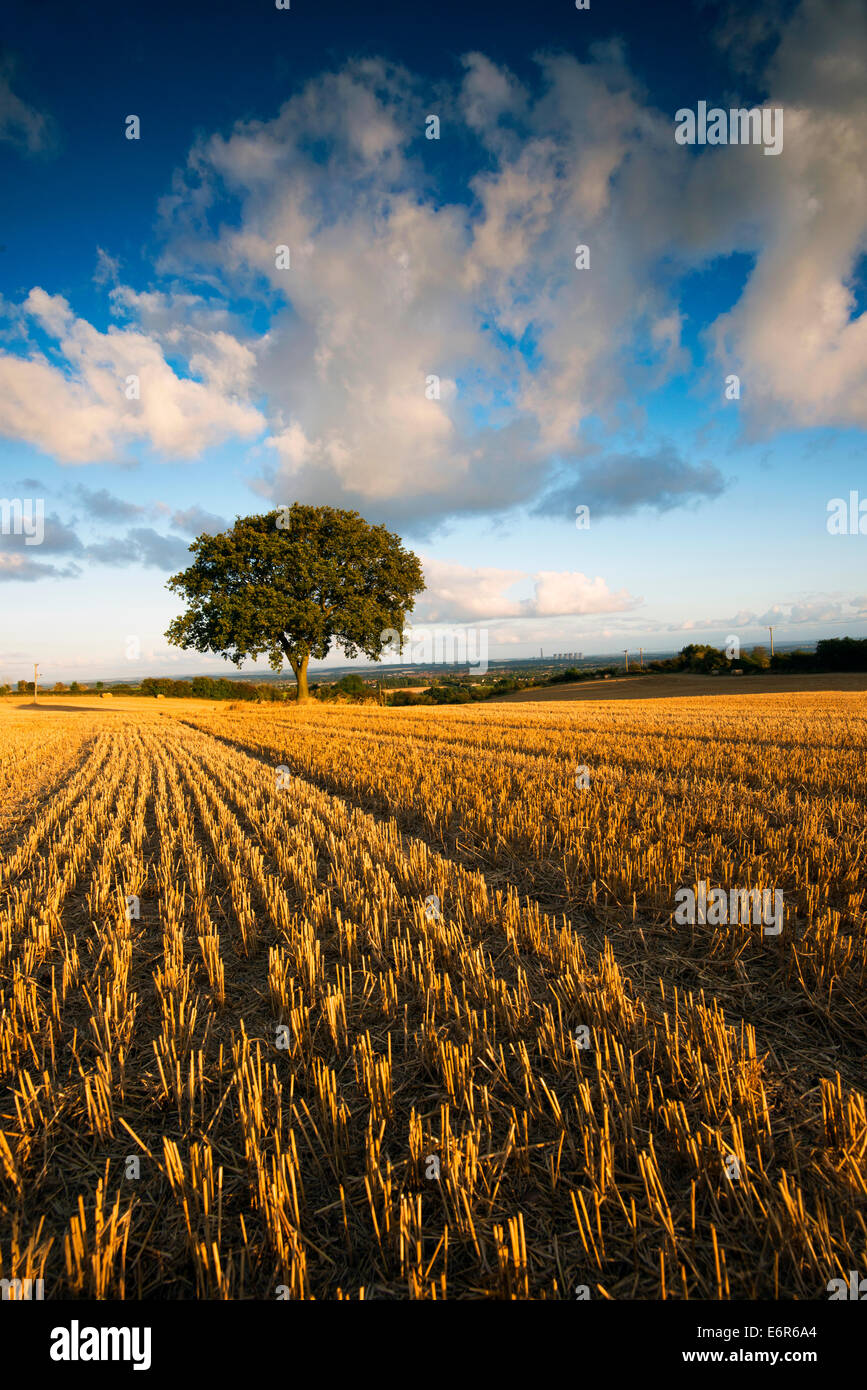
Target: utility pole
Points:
(771, 631)
(626, 654)
(35, 679)
(641, 658)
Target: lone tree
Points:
(292, 583)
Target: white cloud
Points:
(460, 593)
(819, 609)
(793, 336)
(573, 592)
(82, 414)
(389, 286)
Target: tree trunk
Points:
(299, 668)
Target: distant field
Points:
(118, 704)
(669, 686)
(387, 1004)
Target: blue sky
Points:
(454, 257)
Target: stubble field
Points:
(385, 1005)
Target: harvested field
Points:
(386, 1005)
(669, 686)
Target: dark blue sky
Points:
(198, 66)
(605, 387)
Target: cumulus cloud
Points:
(456, 592)
(794, 335)
(461, 593)
(424, 358)
(82, 414)
(574, 593)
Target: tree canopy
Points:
(291, 584)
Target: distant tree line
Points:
(200, 687)
(831, 654)
(842, 653)
(209, 688)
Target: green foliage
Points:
(842, 654)
(211, 688)
(449, 695)
(700, 656)
(293, 583)
(408, 697)
(573, 673)
(351, 684)
(794, 662)
(203, 687)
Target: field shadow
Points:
(69, 709)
